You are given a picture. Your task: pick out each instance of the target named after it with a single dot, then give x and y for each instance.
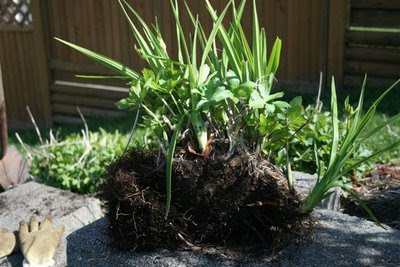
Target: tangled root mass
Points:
(234, 200)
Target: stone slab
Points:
(338, 240)
(71, 210)
(304, 183)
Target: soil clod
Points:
(233, 201)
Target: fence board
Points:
(382, 39)
(87, 101)
(373, 54)
(376, 4)
(355, 81)
(381, 70)
(94, 90)
(336, 39)
(71, 110)
(375, 18)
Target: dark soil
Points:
(233, 201)
(380, 190)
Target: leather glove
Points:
(8, 242)
(39, 242)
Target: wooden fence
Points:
(372, 43)
(39, 71)
(23, 58)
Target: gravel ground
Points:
(339, 240)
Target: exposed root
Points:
(217, 200)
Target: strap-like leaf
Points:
(105, 61)
(170, 158)
(335, 124)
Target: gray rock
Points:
(69, 209)
(304, 183)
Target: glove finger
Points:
(23, 229)
(46, 224)
(59, 230)
(34, 224)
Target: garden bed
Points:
(380, 191)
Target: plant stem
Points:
(200, 129)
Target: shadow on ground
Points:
(339, 240)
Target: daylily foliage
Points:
(220, 86)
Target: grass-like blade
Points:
(105, 61)
(231, 53)
(374, 155)
(211, 38)
(273, 62)
(256, 44)
(155, 41)
(363, 205)
(335, 124)
(139, 38)
(170, 158)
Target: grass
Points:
(357, 133)
(123, 125)
(385, 137)
(388, 107)
(75, 157)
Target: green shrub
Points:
(78, 161)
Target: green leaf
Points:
(170, 158)
(105, 61)
(230, 52)
(221, 94)
(281, 104)
(211, 38)
(335, 124)
(256, 44)
(275, 56)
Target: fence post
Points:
(3, 120)
(41, 49)
(336, 40)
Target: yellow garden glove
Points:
(39, 242)
(8, 242)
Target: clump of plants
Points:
(76, 162)
(317, 131)
(212, 110)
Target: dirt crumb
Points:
(234, 201)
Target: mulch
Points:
(380, 191)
